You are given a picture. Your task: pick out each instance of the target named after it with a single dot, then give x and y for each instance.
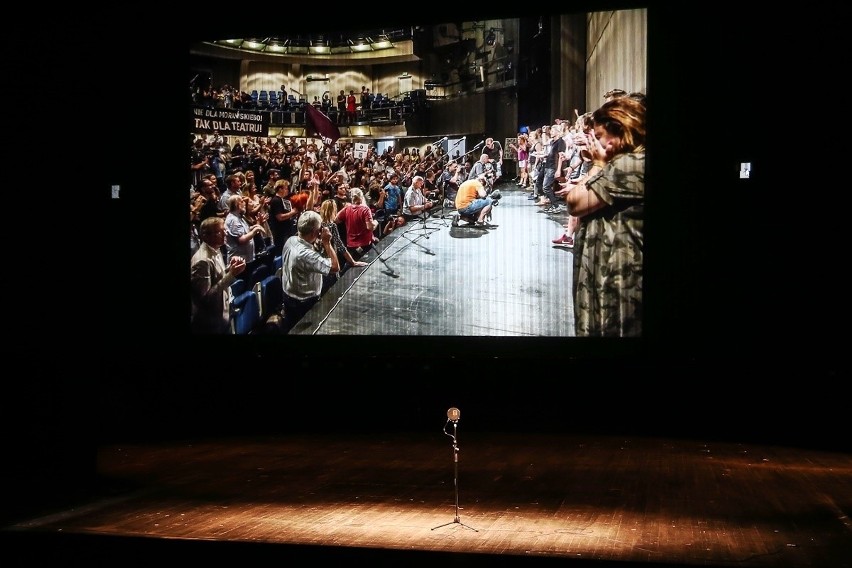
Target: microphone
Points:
(439, 141)
(453, 414)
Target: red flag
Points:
(316, 123)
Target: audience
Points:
(594, 168)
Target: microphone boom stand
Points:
(456, 520)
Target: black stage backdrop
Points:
(742, 326)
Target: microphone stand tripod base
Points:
(456, 520)
(421, 228)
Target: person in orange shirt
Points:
(472, 202)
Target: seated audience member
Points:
(415, 204)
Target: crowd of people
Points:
(322, 209)
(344, 108)
(593, 168)
(262, 187)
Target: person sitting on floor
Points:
(416, 205)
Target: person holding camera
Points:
(416, 204)
(472, 202)
(450, 180)
(478, 168)
(495, 156)
(303, 267)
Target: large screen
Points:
(448, 94)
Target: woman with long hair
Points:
(359, 224)
(608, 248)
(328, 211)
(523, 155)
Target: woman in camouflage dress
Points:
(608, 250)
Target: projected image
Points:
(467, 179)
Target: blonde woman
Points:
(359, 224)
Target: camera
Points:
(495, 196)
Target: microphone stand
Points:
(456, 520)
(421, 227)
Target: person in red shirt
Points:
(359, 223)
(351, 107)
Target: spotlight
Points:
(490, 38)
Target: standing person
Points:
(393, 196)
(273, 176)
(328, 211)
(199, 163)
(239, 236)
(210, 207)
(210, 280)
(238, 156)
(451, 179)
(495, 155)
(523, 151)
(359, 223)
(257, 213)
(365, 97)
(582, 140)
(351, 107)
(282, 215)
(545, 181)
(538, 153)
(303, 268)
(233, 186)
(608, 248)
(341, 107)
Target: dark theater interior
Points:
(719, 438)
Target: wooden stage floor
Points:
(389, 499)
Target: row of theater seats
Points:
(256, 298)
(274, 100)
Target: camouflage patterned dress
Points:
(608, 253)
